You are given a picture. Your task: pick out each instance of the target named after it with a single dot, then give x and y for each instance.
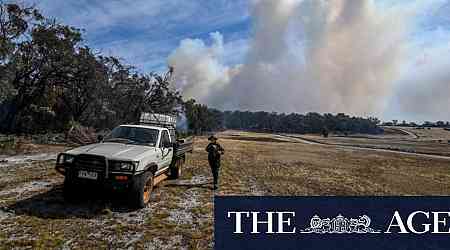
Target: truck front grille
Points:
(93, 162)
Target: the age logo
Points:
(340, 224)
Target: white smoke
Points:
(200, 70)
(424, 92)
(310, 55)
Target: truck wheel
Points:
(175, 171)
(142, 190)
(69, 190)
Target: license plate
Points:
(87, 175)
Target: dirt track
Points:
(314, 142)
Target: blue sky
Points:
(144, 32)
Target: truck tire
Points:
(175, 170)
(69, 190)
(141, 190)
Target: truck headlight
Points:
(126, 166)
(66, 158)
(123, 165)
(69, 158)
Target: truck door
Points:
(166, 149)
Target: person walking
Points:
(214, 152)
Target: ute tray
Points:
(183, 146)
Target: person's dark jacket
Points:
(214, 151)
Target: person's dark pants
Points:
(215, 166)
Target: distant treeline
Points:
(50, 79)
(427, 124)
(203, 119)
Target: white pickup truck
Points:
(132, 158)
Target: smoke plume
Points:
(310, 55)
(424, 92)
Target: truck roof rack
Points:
(159, 120)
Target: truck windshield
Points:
(133, 135)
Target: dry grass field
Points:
(425, 141)
(430, 134)
(34, 215)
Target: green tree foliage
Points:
(13, 25)
(150, 93)
(49, 79)
(202, 119)
(298, 123)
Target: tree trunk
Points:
(9, 123)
